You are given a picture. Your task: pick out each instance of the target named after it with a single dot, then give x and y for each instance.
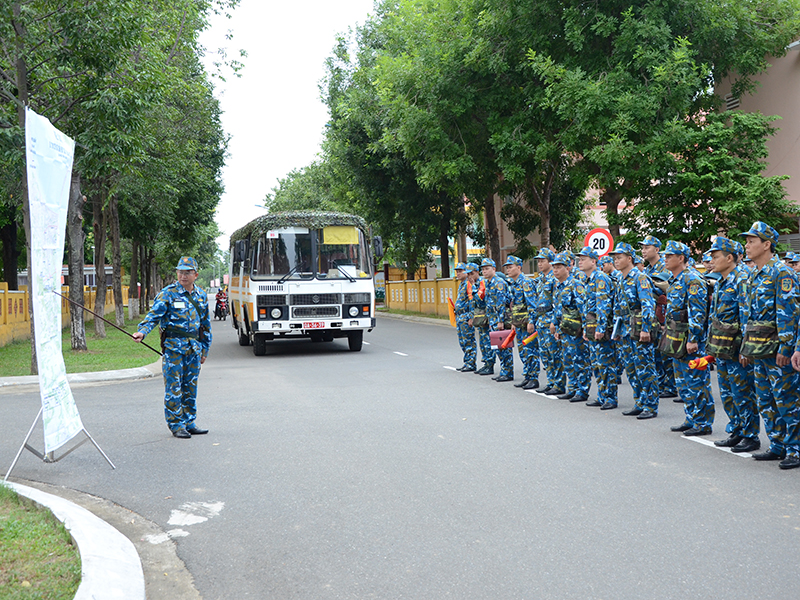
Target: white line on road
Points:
(451, 368)
(693, 438)
(365, 343)
(400, 354)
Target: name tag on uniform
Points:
(179, 304)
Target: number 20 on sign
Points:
(600, 241)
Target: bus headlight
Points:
(353, 311)
(276, 313)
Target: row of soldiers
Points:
(661, 320)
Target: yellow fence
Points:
(427, 296)
(15, 319)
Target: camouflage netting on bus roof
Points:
(297, 218)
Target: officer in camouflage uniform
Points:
(597, 319)
(727, 321)
(181, 310)
(568, 304)
(636, 307)
(548, 346)
(496, 299)
(463, 310)
(522, 299)
(687, 311)
(772, 311)
(650, 247)
(478, 315)
(607, 264)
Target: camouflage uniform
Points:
(688, 297)
(772, 298)
(466, 332)
(479, 305)
(548, 346)
(736, 382)
(599, 289)
(183, 348)
(522, 294)
(635, 295)
(571, 294)
(496, 308)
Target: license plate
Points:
(313, 325)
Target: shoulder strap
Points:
(196, 306)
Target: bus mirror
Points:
(377, 246)
(240, 251)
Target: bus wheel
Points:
(354, 340)
(244, 339)
(259, 344)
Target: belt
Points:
(172, 332)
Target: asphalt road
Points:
(385, 474)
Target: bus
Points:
(302, 274)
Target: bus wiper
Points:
(289, 274)
(345, 273)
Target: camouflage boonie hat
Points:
(186, 263)
(623, 248)
(562, 258)
(586, 251)
(461, 267)
(674, 247)
(488, 262)
(723, 244)
(545, 254)
(763, 231)
(651, 240)
(513, 260)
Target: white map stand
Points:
(51, 457)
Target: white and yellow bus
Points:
(302, 274)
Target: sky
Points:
(273, 113)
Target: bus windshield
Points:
(287, 253)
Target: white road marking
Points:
(709, 443)
(365, 343)
(160, 538)
(400, 354)
(451, 368)
(192, 513)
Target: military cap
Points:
(763, 231)
(471, 266)
(661, 276)
(513, 260)
(674, 247)
(571, 254)
(461, 267)
(488, 262)
(562, 258)
(739, 248)
(713, 275)
(186, 263)
(650, 240)
(637, 260)
(747, 259)
(605, 260)
(707, 256)
(722, 243)
(546, 253)
(586, 251)
(691, 262)
(623, 248)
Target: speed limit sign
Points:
(600, 241)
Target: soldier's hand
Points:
(531, 328)
(557, 336)
(744, 361)
(691, 347)
(552, 329)
(202, 359)
(796, 361)
(138, 337)
(782, 361)
(644, 337)
(501, 326)
(470, 323)
(598, 335)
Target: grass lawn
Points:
(37, 556)
(116, 351)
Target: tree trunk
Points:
(9, 237)
(133, 288)
(76, 237)
(492, 233)
(116, 261)
(444, 246)
(99, 264)
(462, 235)
(612, 197)
(148, 273)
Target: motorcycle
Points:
(221, 309)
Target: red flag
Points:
(451, 308)
(701, 364)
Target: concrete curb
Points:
(415, 319)
(146, 372)
(110, 565)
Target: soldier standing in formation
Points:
(522, 301)
(496, 299)
(463, 310)
(548, 346)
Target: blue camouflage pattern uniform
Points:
(522, 294)
(463, 310)
(664, 368)
(570, 295)
(688, 297)
(635, 296)
(496, 307)
(548, 346)
(599, 290)
(172, 310)
(484, 342)
(772, 298)
(616, 277)
(736, 383)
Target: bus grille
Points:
(306, 312)
(314, 299)
(361, 298)
(271, 300)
